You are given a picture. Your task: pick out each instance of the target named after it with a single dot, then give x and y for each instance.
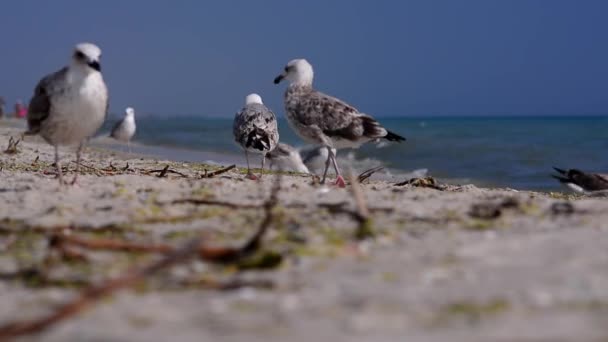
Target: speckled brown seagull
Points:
(582, 181)
(255, 129)
(70, 105)
(324, 120)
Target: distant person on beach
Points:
(2, 103)
(20, 110)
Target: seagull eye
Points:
(286, 69)
(79, 55)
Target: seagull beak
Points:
(279, 78)
(95, 65)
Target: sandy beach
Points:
(431, 263)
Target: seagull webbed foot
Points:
(340, 182)
(252, 176)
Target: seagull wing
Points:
(600, 181)
(587, 181)
(336, 118)
(40, 104)
(117, 127)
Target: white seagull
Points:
(124, 130)
(255, 129)
(321, 119)
(70, 105)
(286, 158)
(308, 159)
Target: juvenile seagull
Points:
(125, 128)
(70, 105)
(581, 181)
(314, 157)
(286, 158)
(321, 119)
(255, 129)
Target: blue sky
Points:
(400, 58)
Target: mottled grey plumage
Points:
(70, 105)
(322, 119)
(255, 128)
(582, 181)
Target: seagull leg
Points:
(129, 146)
(339, 179)
(326, 165)
(263, 162)
(78, 152)
(250, 174)
(58, 166)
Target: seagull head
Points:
(253, 98)
(297, 71)
(87, 56)
(130, 112)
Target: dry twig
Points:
(217, 172)
(92, 294)
(202, 201)
(163, 172)
(364, 230)
(368, 173)
(426, 182)
(12, 146)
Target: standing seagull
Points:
(125, 128)
(321, 119)
(581, 181)
(70, 105)
(255, 129)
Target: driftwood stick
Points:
(365, 229)
(368, 173)
(217, 172)
(92, 294)
(202, 201)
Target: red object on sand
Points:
(20, 110)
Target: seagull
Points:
(286, 158)
(125, 128)
(314, 157)
(255, 129)
(309, 159)
(324, 120)
(70, 105)
(581, 181)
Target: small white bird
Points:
(255, 129)
(309, 159)
(286, 158)
(324, 120)
(315, 158)
(70, 105)
(124, 130)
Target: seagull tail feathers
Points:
(258, 139)
(390, 136)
